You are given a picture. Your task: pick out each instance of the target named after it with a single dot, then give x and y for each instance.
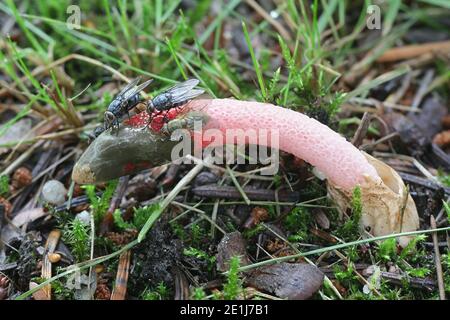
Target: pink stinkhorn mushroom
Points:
(387, 208)
(300, 135)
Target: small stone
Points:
(84, 216)
(54, 192)
(393, 269)
(321, 219)
(15, 132)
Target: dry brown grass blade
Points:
(120, 288)
(413, 51)
(69, 114)
(278, 26)
(45, 69)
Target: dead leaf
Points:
(41, 294)
(294, 281)
(416, 131)
(231, 245)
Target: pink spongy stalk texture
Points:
(306, 138)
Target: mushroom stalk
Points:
(387, 206)
(306, 138)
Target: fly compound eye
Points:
(151, 106)
(109, 118)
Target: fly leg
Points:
(165, 118)
(116, 125)
(150, 110)
(150, 119)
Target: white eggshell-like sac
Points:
(387, 206)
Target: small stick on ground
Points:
(238, 186)
(426, 183)
(181, 285)
(423, 89)
(412, 51)
(399, 279)
(386, 138)
(22, 158)
(362, 129)
(437, 260)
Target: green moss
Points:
(202, 255)
(199, 294)
(233, 287)
(4, 185)
(298, 223)
(161, 292)
(100, 205)
(350, 229)
(76, 234)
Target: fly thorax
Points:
(161, 101)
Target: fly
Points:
(174, 97)
(187, 122)
(126, 100)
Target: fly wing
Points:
(132, 91)
(142, 86)
(129, 86)
(182, 87)
(184, 91)
(187, 96)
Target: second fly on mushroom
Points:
(171, 98)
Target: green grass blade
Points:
(391, 15)
(21, 22)
(255, 62)
(377, 81)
